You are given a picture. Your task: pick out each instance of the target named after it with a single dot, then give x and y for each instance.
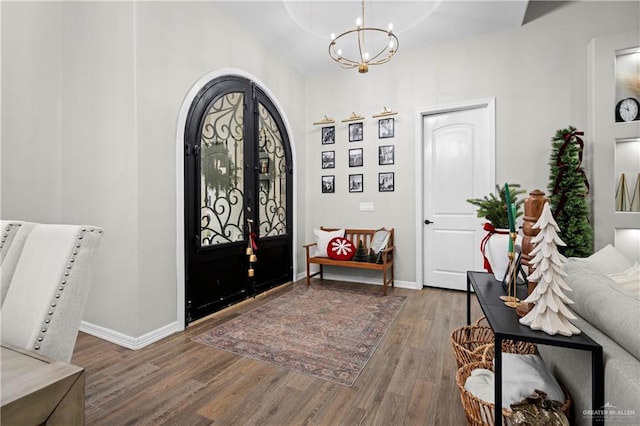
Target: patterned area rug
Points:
(325, 332)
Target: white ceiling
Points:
(300, 29)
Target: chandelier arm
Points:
(372, 60)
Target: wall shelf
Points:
(615, 145)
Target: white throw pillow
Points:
(521, 376)
(480, 384)
(629, 280)
(322, 240)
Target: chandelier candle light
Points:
(364, 57)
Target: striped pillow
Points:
(629, 280)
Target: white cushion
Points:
(322, 240)
(521, 376)
(607, 260)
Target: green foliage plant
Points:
(569, 191)
(494, 209)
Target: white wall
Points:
(31, 112)
(96, 89)
(537, 73)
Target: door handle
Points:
(427, 222)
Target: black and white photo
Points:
(328, 159)
(386, 182)
(386, 155)
(328, 135)
(328, 184)
(356, 157)
(355, 183)
(356, 132)
(386, 128)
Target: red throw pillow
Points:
(340, 249)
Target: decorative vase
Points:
(497, 252)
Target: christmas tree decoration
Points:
(549, 312)
(569, 189)
(361, 253)
(635, 198)
(621, 194)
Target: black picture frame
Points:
(356, 183)
(356, 132)
(328, 159)
(328, 184)
(356, 157)
(386, 182)
(386, 155)
(386, 128)
(328, 135)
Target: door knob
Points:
(427, 222)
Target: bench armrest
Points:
(307, 247)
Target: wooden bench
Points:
(355, 236)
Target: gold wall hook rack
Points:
(353, 117)
(325, 120)
(385, 113)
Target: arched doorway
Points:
(237, 189)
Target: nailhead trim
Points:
(5, 233)
(63, 282)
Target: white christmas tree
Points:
(549, 313)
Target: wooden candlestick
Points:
(533, 206)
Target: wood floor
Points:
(408, 381)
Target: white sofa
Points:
(610, 315)
(46, 276)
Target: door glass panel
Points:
(272, 200)
(221, 171)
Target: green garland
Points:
(569, 189)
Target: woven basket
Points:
(470, 342)
(481, 413)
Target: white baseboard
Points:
(129, 342)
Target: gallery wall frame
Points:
(386, 182)
(328, 184)
(356, 157)
(386, 128)
(356, 183)
(328, 135)
(328, 159)
(356, 132)
(386, 155)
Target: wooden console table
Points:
(40, 390)
(503, 320)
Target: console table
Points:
(39, 390)
(503, 320)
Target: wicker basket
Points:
(470, 342)
(481, 413)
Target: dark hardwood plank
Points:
(409, 380)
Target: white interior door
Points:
(458, 164)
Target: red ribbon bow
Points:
(569, 138)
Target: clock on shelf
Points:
(627, 109)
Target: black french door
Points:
(238, 194)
